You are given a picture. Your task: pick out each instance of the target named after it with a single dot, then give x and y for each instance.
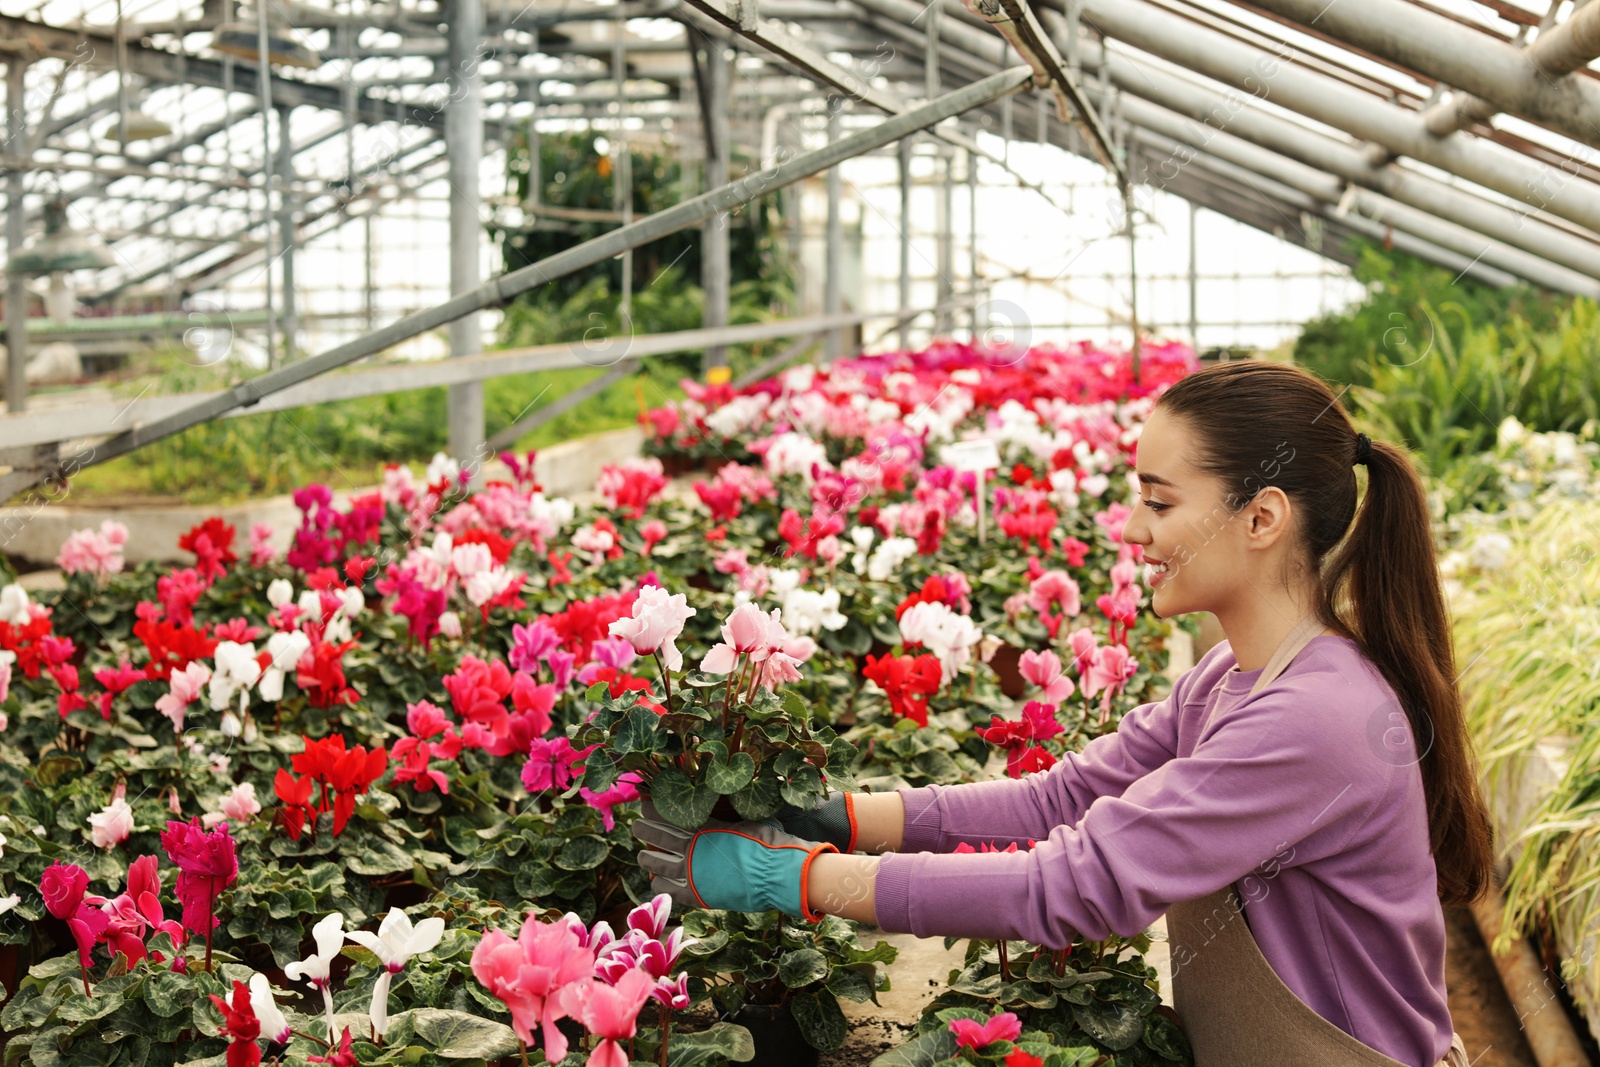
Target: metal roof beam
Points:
(1258, 73)
(1464, 57)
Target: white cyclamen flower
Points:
(235, 671)
(315, 969)
(286, 650)
(274, 1026)
(394, 944)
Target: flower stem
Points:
(310, 1037)
(666, 1029)
(211, 914)
(85, 969)
(524, 1046)
(666, 680)
(1005, 970)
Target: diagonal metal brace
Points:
(1016, 22)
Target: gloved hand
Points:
(746, 866)
(833, 821)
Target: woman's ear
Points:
(1267, 517)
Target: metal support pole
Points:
(1556, 52)
(1194, 274)
(286, 236)
(833, 252)
(972, 237)
(1133, 276)
(904, 157)
(370, 286)
(16, 233)
(535, 153)
(714, 266)
(945, 221)
(264, 81)
(463, 132)
(622, 173)
(943, 216)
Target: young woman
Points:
(1311, 775)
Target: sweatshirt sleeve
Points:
(938, 818)
(1269, 775)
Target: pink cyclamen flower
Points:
(62, 886)
(187, 685)
(650, 918)
(1111, 667)
(610, 1013)
(972, 1034)
(531, 644)
(746, 631)
(529, 974)
(1052, 588)
(261, 551)
(94, 552)
(655, 624)
(653, 532)
(1083, 644)
(1043, 669)
(111, 825)
(239, 805)
(6, 659)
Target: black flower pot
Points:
(777, 1036)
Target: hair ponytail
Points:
(1379, 578)
(1385, 580)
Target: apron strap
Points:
(1288, 649)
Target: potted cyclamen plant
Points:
(723, 732)
(724, 743)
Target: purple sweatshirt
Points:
(1311, 784)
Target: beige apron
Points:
(1234, 1008)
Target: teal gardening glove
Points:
(746, 866)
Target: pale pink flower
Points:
(1083, 644)
(655, 624)
(530, 974)
(94, 552)
(186, 687)
(112, 824)
(744, 632)
(239, 805)
(1054, 587)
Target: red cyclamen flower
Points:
(240, 1026)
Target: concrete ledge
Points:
(35, 534)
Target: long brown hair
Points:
(1379, 585)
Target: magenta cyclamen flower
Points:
(551, 764)
(531, 644)
(207, 863)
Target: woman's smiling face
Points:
(1181, 522)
